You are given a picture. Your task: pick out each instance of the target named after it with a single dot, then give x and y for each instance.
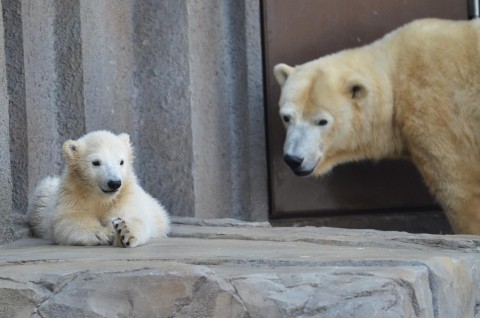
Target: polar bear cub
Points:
(97, 200)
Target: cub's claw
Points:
(123, 237)
(105, 237)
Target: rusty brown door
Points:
(296, 31)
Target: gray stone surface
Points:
(338, 292)
(6, 217)
(12, 15)
(227, 117)
(209, 73)
(40, 82)
(69, 86)
(256, 197)
(247, 271)
(53, 83)
(163, 86)
(107, 54)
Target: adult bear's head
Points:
(329, 109)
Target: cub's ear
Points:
(281, 72)
(356, 88)
(125, 138)
(70, 149)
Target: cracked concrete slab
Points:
(222, 268)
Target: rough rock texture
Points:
(229, 269)
(6, 217)
(12, 22)
(226, 102)
(143, 290)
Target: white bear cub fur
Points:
(97, 200)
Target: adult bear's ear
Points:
(281, 72)
(71, 149)
(356, 88)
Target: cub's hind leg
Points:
(41, 207)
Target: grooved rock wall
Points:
(6, 217)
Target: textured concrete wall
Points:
(256, 195)
(107, 54)
(227, 121)
(182, 77)
(53, 82)
(6, 217)
(163, 104)
(40, 80)
(210, 78)
(12, 15)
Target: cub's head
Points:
(100, 162)
(323, 109)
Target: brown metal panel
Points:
(302, 30)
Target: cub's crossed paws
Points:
(123, 236)
(103, 237)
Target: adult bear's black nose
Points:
(294, 162)
(114, 184)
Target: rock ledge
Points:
(224, 268)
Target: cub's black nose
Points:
(114, 184)
(293, 162)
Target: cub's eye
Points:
(286, 118)
(96, 163)
(121, 162)
(322, 122)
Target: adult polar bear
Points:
(415, 93)
(97, 200)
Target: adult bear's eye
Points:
(322, 122)
(121, 162)
(286, 118)
(96, 163)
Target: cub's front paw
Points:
(123, 237)
(105, 236)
